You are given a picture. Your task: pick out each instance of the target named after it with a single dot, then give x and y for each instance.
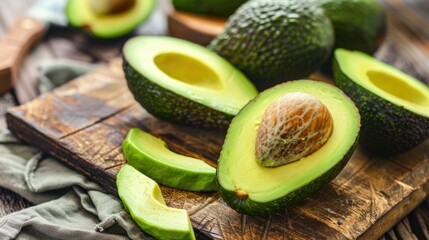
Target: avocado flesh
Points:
(219, 8)
(150, 156)
(183, 82)
(80, 14)
(270, 189)
(273, 41)
(143, 199)
(394, 106)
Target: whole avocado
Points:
(273, 41)
(358, 24)
(218, 8)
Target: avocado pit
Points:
(295, 125)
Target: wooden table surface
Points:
(72, 44)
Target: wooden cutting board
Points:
(84, 122)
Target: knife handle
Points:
(23, 35)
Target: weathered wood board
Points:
(84, 122)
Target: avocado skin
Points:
(170, 106)
(358, 24)
(250, 207)
(219, 8)
(387, 129)
(266, 41)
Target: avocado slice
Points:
(80, 14)
(219, 8)
(252, 189)
(183, 82)
(394, 106)
(272, 41)
(143, 199)
(150, 156)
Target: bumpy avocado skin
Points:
(387, 129)
(358, 24)
(219, 8)
(169, 106)
(272, 41)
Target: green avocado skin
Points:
(272, 41)
(387, 129)
(247, 206)
(358, 24)
(219, 8)
(172, 107)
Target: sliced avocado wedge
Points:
(150, 155)
(80, 14)
(143, 199)
(252, 189)
(394, 106)
(183, 82)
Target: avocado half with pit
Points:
(251, 185)
(150, 156)
(183, 82)
(394, 106)
(81, 14)
(143, 199)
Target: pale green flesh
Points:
(80, 14)
(156, 150)
(385, 81)
(238, 169)
(143, 199)
(190, 70)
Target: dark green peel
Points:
(219, 8)
(272, 41)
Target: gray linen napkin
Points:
(67, 205)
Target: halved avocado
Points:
(394, 106)
(250, 188)
(80, 14)
(183, 82)
(150, 156)
(143, 199)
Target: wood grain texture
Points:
(195, 28)
(84, 122)
(22, 36)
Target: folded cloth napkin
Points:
(67, 205)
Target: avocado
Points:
(142, 197)
(218, 8)
(358, 24)
(394, 106)
(183, 82)
(272, 41)
(150, 156)
(112, 24)
(250, 188)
